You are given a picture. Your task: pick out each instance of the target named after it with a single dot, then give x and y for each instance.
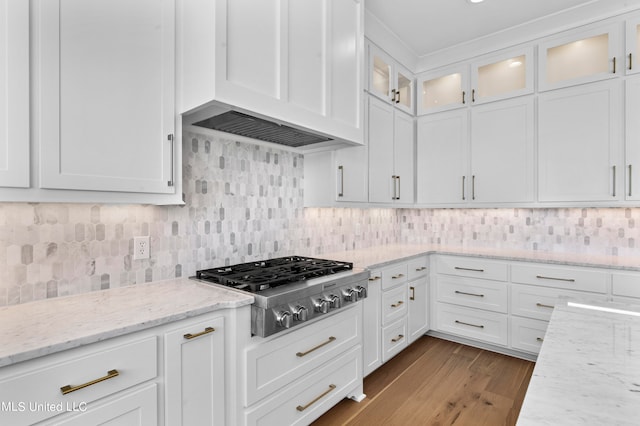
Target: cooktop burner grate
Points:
(261, 275)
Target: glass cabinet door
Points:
(404, 90)
(502, 76)
(633, 46)
(580, 58)
(443, 90)
(380, 74)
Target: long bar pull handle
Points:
(393, 180)
(614, 181)
(463, 95)
(171, 141)
(469, 294)
(341, 170)
(473, 95)
(614, 64)
(397, 304)
(469, 324)
(398, 180)
(464, 178)
(393, 95)
(542, 277)
(413, 293)
(459, 268)
(630, 180)
(542, 305)
(316, 399)
(398, 95)
(630, 62)
(68, 388)
(397, 339)
(374, 278)
(473, 187)
(315, 348)
(207, 330)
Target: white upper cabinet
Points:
(390, 81)
(632, 45)
(14, 93)
(352, 169)
(501, 76)
(579, 56)
(105, 95)
(580, 143)
(632, 139)
(443, 89)
(300, 62)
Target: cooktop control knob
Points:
(322, 305)
(362, 292)
(300, 313)
(334, 301)
(284, 319)
(350, 295)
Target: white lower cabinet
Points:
(527, 334)
(394, 339)
(372, 333)
(490, 327)
(418, 314)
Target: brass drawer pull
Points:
(468, 269)
(539, 339)
(207, 330)
(469, 294)
(422, 268)
(542, 277)
(374, 278)
(542, 305)
(316, 399)
(395, 277)
(397, 304)
(397, 339)
(413, 293)
(469, 324)
(68, 389)
(315, 348)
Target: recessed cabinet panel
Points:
(632, 146)
(580, 57)
(442, 91)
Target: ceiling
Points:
(426, 26)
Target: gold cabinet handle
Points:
(395, 305)
(316, 399)
(207, 330)
(315, 348)
(539, 339)
(469, 324)
(395, 277)
(468, 269)
(341, 170)
(68, 388)
(543, 277)
(469, 294)
(413, 293)
(397, 339)
(542, 305)
(374, 278)
(422, 268)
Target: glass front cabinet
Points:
(390, 81)
(443, 90)
(502, 76)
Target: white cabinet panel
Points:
(632, 138)
(371, 323)
(527, 334)
(483, 294)
(352, 169)
(404, 157)
(106, 95)
(418, 314)
(380, 133)
(580, 143)
(632, 45)
(569, 278)
(394, 339)
(14, 93)
(476, 324)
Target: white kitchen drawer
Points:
(538, 302)
(476, 268)
(490, 327)
(394, 275)
(394, 339)
(418, 267)
(482, 294)
(274, 363)
(295, 405)
(120, 365)
(560, 277)
(527, 334)
(394, 304)
(625, 284)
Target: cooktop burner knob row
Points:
(300, 313)
(322, 305)
(284, 319)
(362, 292)
(350, 295)
(334, 301)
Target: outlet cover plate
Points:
(140, 248)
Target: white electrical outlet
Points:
(140, 248)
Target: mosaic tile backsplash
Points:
(245, 202)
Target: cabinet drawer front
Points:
(394, 339)
(560, 277)
(538, 302)
(627, 285)
(394, 304)
(307, 399)
(279, 361)
(475, 324)
(418, 268)
(476, 268)
(134, 363)
(482, 294)
(527, 334)
(394, 276)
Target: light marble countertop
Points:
(588, 370)
(380, 256)
(40, 328)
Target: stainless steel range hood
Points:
(237, 121)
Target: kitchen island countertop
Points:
(588, 370)
(43, 327)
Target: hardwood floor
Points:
(437, 382)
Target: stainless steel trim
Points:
(542, 277)
(469, 294)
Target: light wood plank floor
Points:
(436, 382)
